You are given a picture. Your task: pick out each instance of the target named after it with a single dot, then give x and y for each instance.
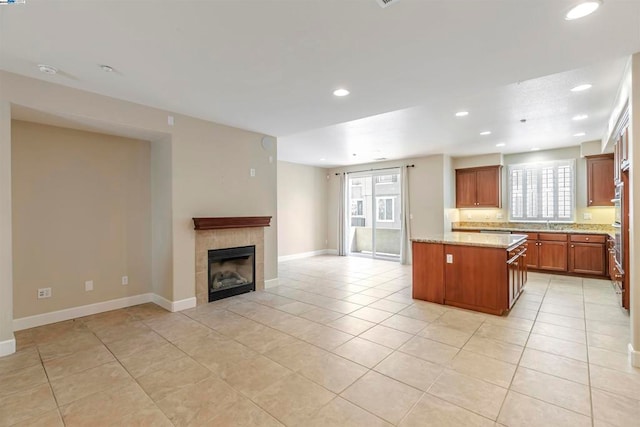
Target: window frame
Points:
(393, 208)
(531, 175)
(363, 208)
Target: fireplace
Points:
(232, 271)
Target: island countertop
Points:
(487, 240)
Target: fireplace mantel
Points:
(217, 223)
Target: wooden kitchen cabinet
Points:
(532, 252)
(600, 180)
(549, 252)
(428, 282)
(552, 255)
(478, 187)
(587, 254)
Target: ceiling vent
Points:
(379, 159)
(386, 3)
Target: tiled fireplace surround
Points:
(222, 239)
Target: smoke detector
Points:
(47, 69)
(386, 3)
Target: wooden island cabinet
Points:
(481, 272)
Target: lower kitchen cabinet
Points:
(552, 251)
(587, 255)
(552, 256)
(581, 254)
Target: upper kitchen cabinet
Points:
(478, 187)
(600, 180)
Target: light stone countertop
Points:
(571, 230)
(487, 240)
(535, 227)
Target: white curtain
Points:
(342, 215)
(405, 244)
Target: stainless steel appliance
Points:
(618, 205)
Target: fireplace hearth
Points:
(232, 271)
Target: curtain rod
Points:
(378, 169)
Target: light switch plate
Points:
(88, 285)
(449, 259)
(587, 216)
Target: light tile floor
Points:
(339, 343)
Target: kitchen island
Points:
(482, 272)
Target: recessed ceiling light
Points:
(502, 144)
(535, 149)
(580, 88)
(106, 68)
(579, 134)
(322, 159)
(580, 117)
(583, 9)
(341, 92)
(47, 69)
(462, 113)
(486, 132)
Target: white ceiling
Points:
(271, 65)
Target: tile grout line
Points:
(523, 350)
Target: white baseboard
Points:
(634, 357)
(272, 283)
(303, 255)
(7, 347)
(174, 306)
(332, 252)
(81, 311)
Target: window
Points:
(357, 207)
(386, 179)
(385, 209)
(542, 191)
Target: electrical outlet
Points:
(88, 285)
(170, 120)
(252, 172)
(44, 293)
(125, 280)
(449, 258)
(587, 216)
(410, 216)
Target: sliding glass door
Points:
(374, 220)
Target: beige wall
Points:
(427, 194)
(81, 211)
(302, 202)
(6, 261)
(161, 219)
(209, 172)
(600, 215)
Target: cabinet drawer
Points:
(587, 238)
(556, 237)
(531, 236)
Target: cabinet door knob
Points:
(587, 238)
(573, 246)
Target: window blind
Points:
(542, 191)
